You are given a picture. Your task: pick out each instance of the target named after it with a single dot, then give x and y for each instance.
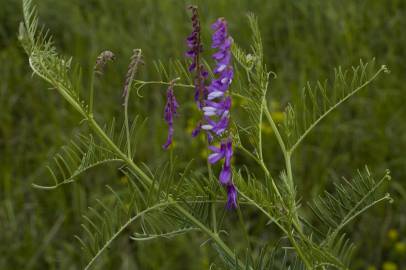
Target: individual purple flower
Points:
(231, 196)
(218, 127)
(197, 129)
(217, 108)
(224, 152)
(170, 112)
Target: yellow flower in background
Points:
(278, 116)
(191, 125)
(400, 247)
(393, 234)
(243, 102)
(204, 153)
(275, 105)
(389, 266)
(123, 180)
(266, 128)
(371, 267)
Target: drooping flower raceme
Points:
(170, 112)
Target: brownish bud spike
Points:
(101, 61)
(136, 59)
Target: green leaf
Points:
(320, 99)
(75, 159)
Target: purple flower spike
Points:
(231, 197)
(214, 100)
(195, 48)
(170, 112)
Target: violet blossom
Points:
(217, 103)
(214, 100)
(217, 107)
(224, 152)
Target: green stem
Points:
(91, 94)
(282, 145)
(299, 251)
(127, 128)
(213, 206)
(290, 185)
(244, 230)
(99, 131)
(214, 236)
(284, 230)
(260, 134)
(164, 83)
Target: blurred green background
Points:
(303, 40)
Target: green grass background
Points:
(303, 41)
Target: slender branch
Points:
(122, 228)
(91, 96)
(213, 206)
(283, 229)
(214, 236)
(60, 87)
(127, 126)
(282, 145)
(260, 162)
(164, 83)
(321, 117)
(244, 230)
(255, 204)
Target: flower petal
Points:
(225, 175)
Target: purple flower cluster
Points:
(215, 101)
(195, 49)
(170, 112)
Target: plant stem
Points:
(164, 83)
(290, 185)
(127, 128)
(299, 251)
(213, 206)
(282, 145)
(99, 131)
(245, 232)
(91, 94)
(212, 235)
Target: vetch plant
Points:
(173, 202)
